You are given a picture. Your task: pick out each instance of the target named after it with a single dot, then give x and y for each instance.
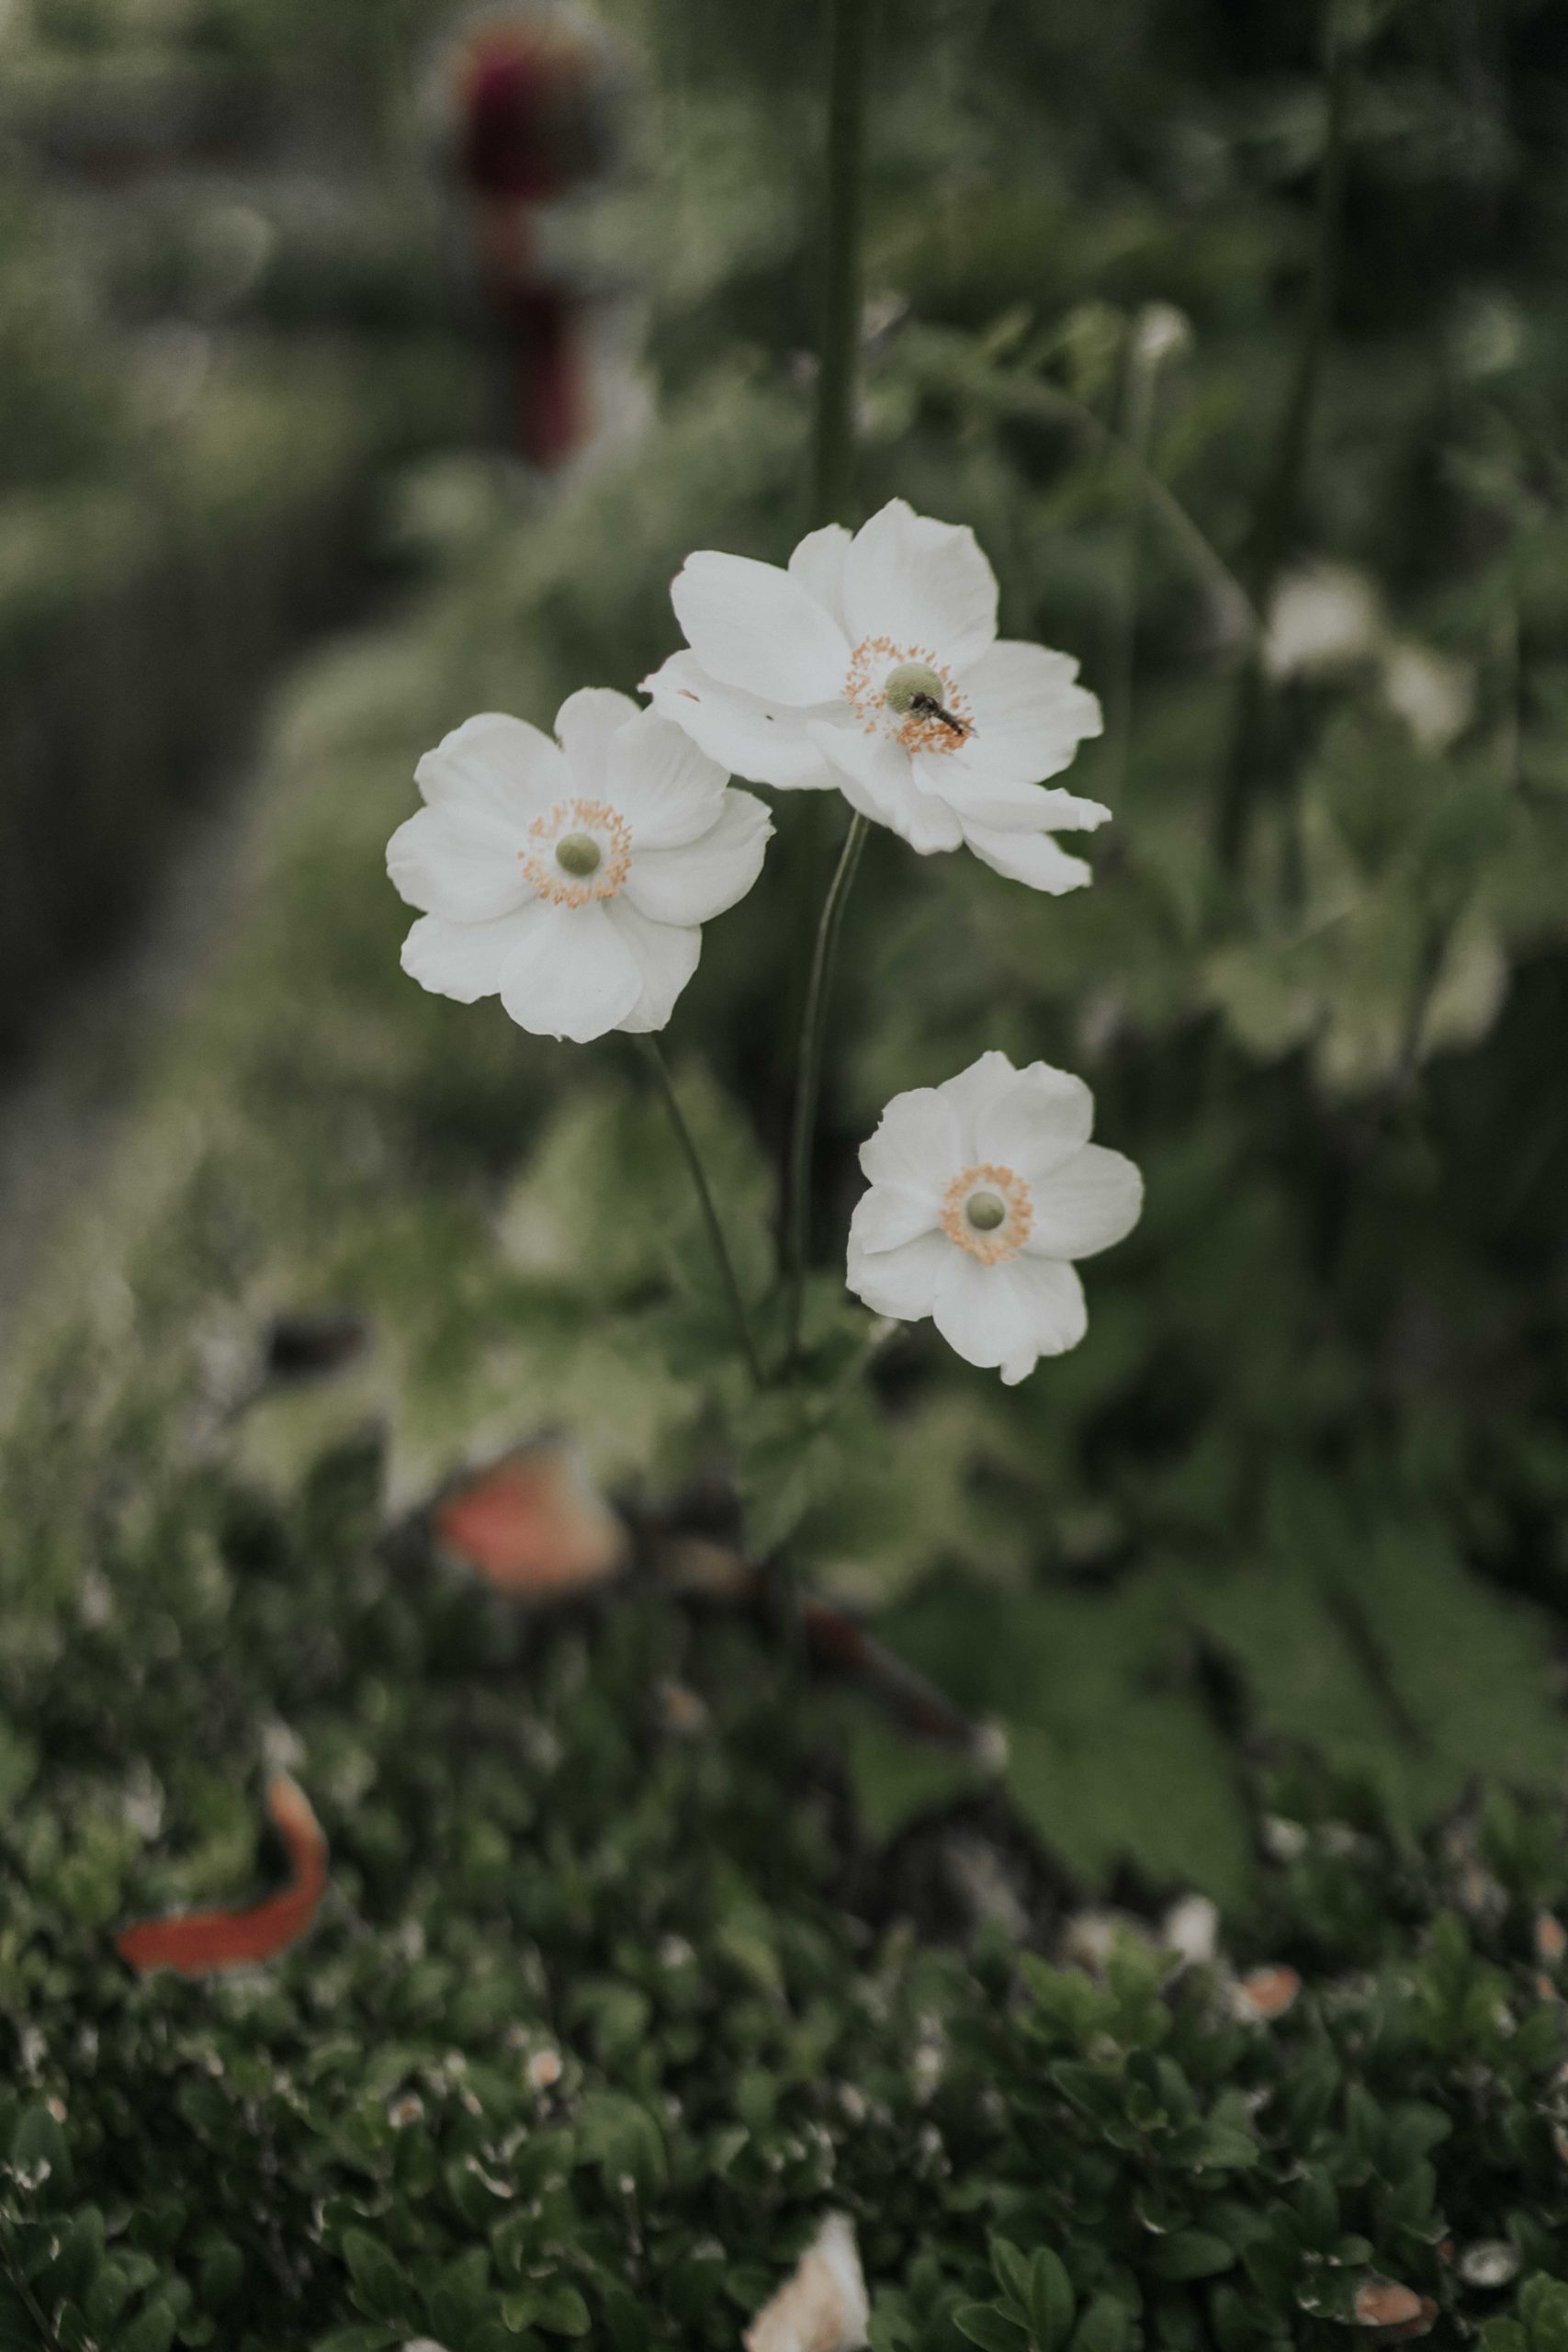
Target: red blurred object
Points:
(532, 121)
(202, 1943)
(535, 100)
(532, 1526)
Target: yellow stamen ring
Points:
(578, 850)
(898, 691)
(988, 1212)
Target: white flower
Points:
(1434, 695)
(822, 2305)
(571, 879)
(1321, 618)
(873, 664)
(983, 1190)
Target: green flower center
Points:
(580, 855)
(984, 1211)
(910, 681)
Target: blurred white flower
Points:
(1321, 618)
(1161, 332)
(1432, 693)
(571, 879)
(983, 1190)
(823, 2305)
(873, 664)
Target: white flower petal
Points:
(454, 862)
(464, 960)
(1059, 1310)
(667, 955)
(666, 787)
(1087, 1202)
(1028, 716)
(1033, 858)
(921, 584)
(890, 1215)
(584, 723)
(818, 564)
(879, 781)
(764, 741)
(967, 1095)
(459, 959)
(823, 2305)
(571, 973)
(750, 625)
(918, 1144)
(902, 1283)
(1006, 1317)
(497, 767)
(693, 883)
(1001, 806)
(1035, 1123)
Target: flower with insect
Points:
(983, 1192)
(572, 878)
(872, 664)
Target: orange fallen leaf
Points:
(1407, 2331)
(1267, 1993)
(1384, 2302)
(199, 1943)
(532, 1525)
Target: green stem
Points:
(832, 492)
(809, 1080)
(1276, 508)
(1138, 421)
(660, 1068)
(849, 55)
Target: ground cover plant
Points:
(645, 1944)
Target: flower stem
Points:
(808, 1080)
(832, 465)
(1138, 405)
(661, 1077)
(1276, 508)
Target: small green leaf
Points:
(561, 2311)
(1051, 2302)
(984, 2324)
(379, 2286)
(1104, 2327)
(1190, 2254)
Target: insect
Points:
(929, 707)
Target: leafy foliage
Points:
(1254, 1587)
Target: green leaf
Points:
(379, 2286)
(40, 2155)
(1051, 2302)
(561, 2311)
(1190, 2254)
(984, 2324)
(1011, 2269)
(1104, 2327)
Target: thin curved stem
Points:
(809, 1080)
(1138, 424)
(666, 1085)
(1277, 510)
(832, 465)
(936, 358)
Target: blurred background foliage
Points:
(1239, 339)
(1283, 1540)
(1324, 1384)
